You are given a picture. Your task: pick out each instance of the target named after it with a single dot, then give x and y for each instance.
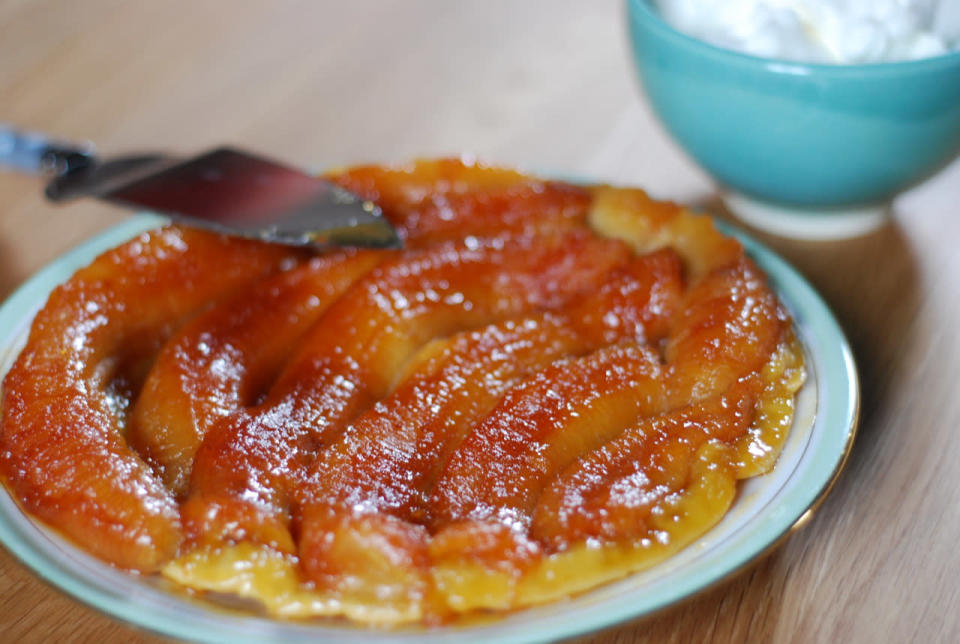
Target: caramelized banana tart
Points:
(550, 387)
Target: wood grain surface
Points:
(543, 84)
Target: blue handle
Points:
(36, 154)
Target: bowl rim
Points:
(644, 12)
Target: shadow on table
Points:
(742, 609)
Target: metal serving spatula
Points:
(225, 190)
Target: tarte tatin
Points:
(550, 387)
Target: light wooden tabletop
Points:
(544, 84)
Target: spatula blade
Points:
(236, 192)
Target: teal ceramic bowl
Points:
(807, 135)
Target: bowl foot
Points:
(808, 222)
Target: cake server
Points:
(226, 190)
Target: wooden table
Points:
(545, 85)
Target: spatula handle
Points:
(36, 154)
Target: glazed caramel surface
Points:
(550, 387)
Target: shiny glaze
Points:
(726, 328)
(609, 493)
(248, 465)
(551, 386)
(388, 460)
(572, 406)
(431, 201)
(64, 401)
(224, 359)
(390, 456)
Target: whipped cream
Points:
(822, 31)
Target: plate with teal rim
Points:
(766, 510)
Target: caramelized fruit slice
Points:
(248, 464)
(63, 450)
(387, 461)
(539, 427)
(758, 450)
(226, 357)
(728, 326)
(677, 518)
(686, 516)
(630, 214)
(610, 493)
(395, 450)
(431, 201)
(482, 503)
